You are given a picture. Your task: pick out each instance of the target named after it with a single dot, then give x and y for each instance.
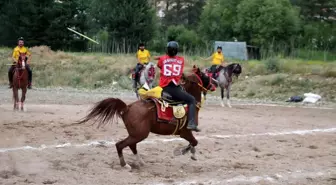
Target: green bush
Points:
(272, 65)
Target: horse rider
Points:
(20, 48)
(217, 59)
(171, 71)
(143, 57)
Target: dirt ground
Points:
(247, 144)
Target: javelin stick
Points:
(83, 35)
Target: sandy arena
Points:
(246, 144)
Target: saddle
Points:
(135, 76)
(168, 110)
(216, 74)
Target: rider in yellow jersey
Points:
(217, 59)
(16, 53)
(143, 57)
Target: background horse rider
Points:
(217, 59)
(143, 57)
(16, 54)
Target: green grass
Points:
(274, 78)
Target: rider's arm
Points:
(29, 56)
(149, 56)
(136, 55)
(211, 57)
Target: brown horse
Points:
(20, 81)
(162, 116)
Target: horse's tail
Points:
(105, 111)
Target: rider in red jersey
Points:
(170, 75)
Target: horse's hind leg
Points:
(120, 146)
(222, 96)
(228, 96)
(131, 142)
(133, 147)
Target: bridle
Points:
(200, 83)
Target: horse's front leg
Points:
(187, 135)
(16, 98)
(228, 96)
(23, 97)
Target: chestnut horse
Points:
(144, 116)
(20, 81)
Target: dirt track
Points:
(243, 145)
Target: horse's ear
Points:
(194, 69)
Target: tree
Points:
(319, 28)
(185, 12)
(127, 22)
(186, 38)
(43, 22)
(72, 14)
(23, 18)
(313, 10)
(267, 22)
(218, 18)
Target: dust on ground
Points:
(246, 144)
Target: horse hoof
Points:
(193, 158)
(142, 163)
(177, 151)
(222, 104)
(127, 167)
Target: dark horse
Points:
(20, 81)
(152, 115)
(223, 77)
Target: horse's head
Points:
(235, 69)
(203, 81)
(22, 60)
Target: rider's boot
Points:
(29, 85)
(191, 118)
(214, 76)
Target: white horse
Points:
(223, 78)
(146, 76)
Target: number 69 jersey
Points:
(171, 69)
